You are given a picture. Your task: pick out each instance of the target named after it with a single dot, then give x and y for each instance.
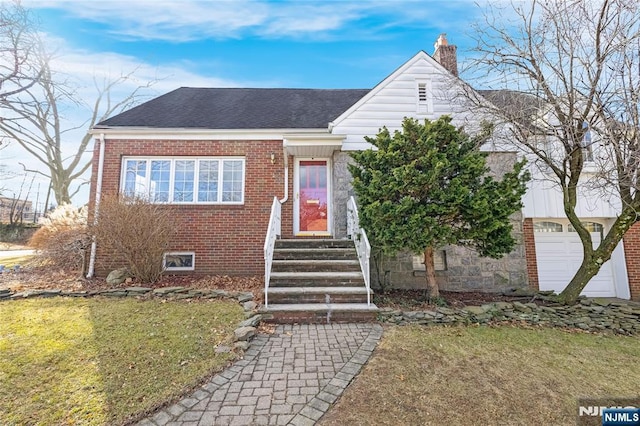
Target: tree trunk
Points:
(61, 191)
(588, 269)
(594, 259)
(430, 273)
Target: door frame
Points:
(296, 198)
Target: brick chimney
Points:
(445, 54)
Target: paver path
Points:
(289, 377)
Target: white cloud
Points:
(84, 70)
(188, 20)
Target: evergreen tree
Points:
(428, 186)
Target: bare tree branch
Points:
(19, 49)
(34, 120)
(563, 73)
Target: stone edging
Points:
(243, 334)
(590, 315)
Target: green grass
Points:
(11, 261)
(102, 361)
(482, 375)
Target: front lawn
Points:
(100, 361)
(9, 261)
(486, 375)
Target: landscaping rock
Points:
(503, 305)
(521, 307)
(250, 305)
(251, 322)
(245, 297)
(522, 292)
(242, 345)
(138, 289)
(118, 276)
(623, 319)
(244, 333)
(474, 310)
(221, 349)
(115, 294)
(168, 290)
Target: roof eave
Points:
(136, 132)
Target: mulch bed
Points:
(415, 299)
(41, 278)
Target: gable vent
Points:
(424, 104)
(422, 92)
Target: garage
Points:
(559, 254)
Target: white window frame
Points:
(179, 268)
(172, 160)
(537, 227)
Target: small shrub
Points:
(133, 232)
(62, 239)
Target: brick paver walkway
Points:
(290, 377)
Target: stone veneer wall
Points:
(342, 190)
(466, 271)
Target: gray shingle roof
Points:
(230, 108)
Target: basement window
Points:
(439, 261)
(179, 261)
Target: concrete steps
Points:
(317, 281)
(316, 265)
(321, 313)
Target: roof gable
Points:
(420, 56)
(236, 108)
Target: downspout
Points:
(286, 173)
(92, 258)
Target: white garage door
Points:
(559, 254)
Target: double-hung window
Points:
(586, 143)
(185, 180)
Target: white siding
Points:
(396, 98)
(544, 199)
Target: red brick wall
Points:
(530, 253)
(632, 257)
(226, 239)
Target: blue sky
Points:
(239, 43)
(326, 44)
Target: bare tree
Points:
(34, 119)
(572, 70)
(20, 50)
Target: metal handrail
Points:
(273, 232)
(359, 237)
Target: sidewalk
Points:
(290, 377)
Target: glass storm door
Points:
(312, 196)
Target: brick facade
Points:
(226, 239)
(632, 257)
(530, 252)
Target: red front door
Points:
(312, 184)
